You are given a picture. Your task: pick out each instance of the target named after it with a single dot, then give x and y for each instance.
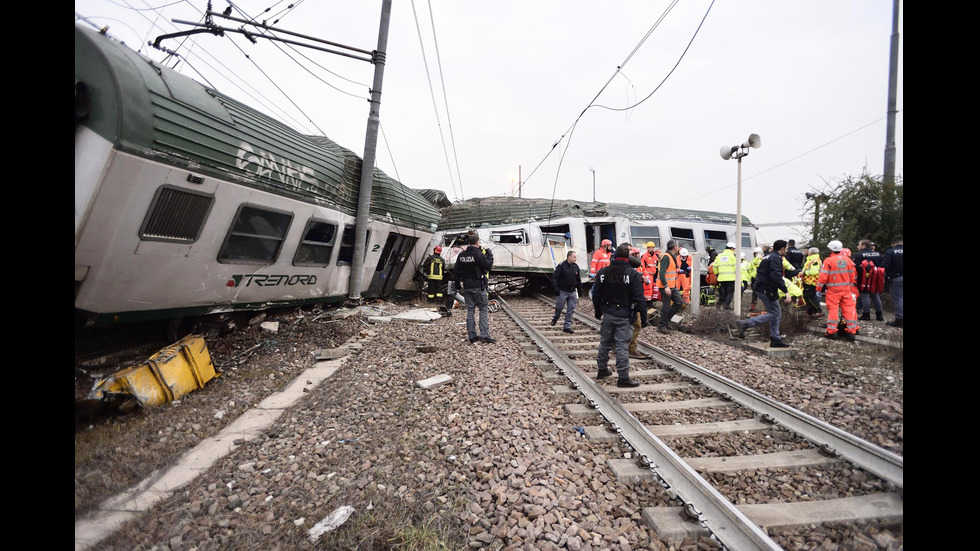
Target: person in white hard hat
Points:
(838, 279)
(724, 267)
(746, 273)
(684, 274)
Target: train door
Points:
(393, 257)
(595, 233)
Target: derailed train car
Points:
(529, 237)
(189, 203)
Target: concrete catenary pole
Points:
(367, 165)
(889, 172)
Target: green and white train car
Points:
(529, 237)
(188, 202)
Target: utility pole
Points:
(889, 173)
(367, 165)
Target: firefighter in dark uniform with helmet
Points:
(433, 267)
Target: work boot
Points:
(627, 383)
(489, 340)
(663, 330)
(896, 323)
(849, 337)
(777, 343)
(830, 335)
(569, 330)
(554, 320)
(741, 326)
(879, 316)
(635, 354)
(865, 317)
(603, 373)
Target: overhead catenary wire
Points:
(618, 70)
(435, 108)
(445, 99)
(801, 155)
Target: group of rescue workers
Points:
(626, 284)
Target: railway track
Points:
(722, 450)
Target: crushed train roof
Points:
(492, 211)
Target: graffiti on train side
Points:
(263, 280)
(267, 165)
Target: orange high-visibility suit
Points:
(600, 259)
(684, 278)
(648, 267)
(838, 279)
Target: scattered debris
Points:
(165, 377)
(330, 522)
(271, 326)
(434, 381)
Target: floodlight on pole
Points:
(739, 151)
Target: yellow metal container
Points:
(166, 376)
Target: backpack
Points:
(872, 278)
(711, 278)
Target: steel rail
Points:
(715, 512)
(874, 459)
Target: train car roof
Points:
(147, 109)
(493, 211)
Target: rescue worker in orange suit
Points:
(684, 275)
(810, 275)
(433, 267)
(838, 279)
(601, 258)
(648, 268)
(670, 290)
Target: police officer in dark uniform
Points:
(617, 296)
(471, 272)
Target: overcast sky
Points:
(639, 96)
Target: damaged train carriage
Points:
(529, 237)
(188, 202)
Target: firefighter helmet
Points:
(634, 250)
(437, 250)
(757, 250)
(729, 245)
(683, 253)
(835, 246)
(651, 244)
(606, 242)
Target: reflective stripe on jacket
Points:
(600, 259)
(811, 269)
(838, 273)
(668, 272)
(724, 265)
(435, 267)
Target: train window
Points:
(746, 241)
(317, 244)
(684, 238)
(639, 235)
(511, 237)
(346, 256)
(176, 215)
(556, 235)
(454, 240)
(716, 239)
(256, 236)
